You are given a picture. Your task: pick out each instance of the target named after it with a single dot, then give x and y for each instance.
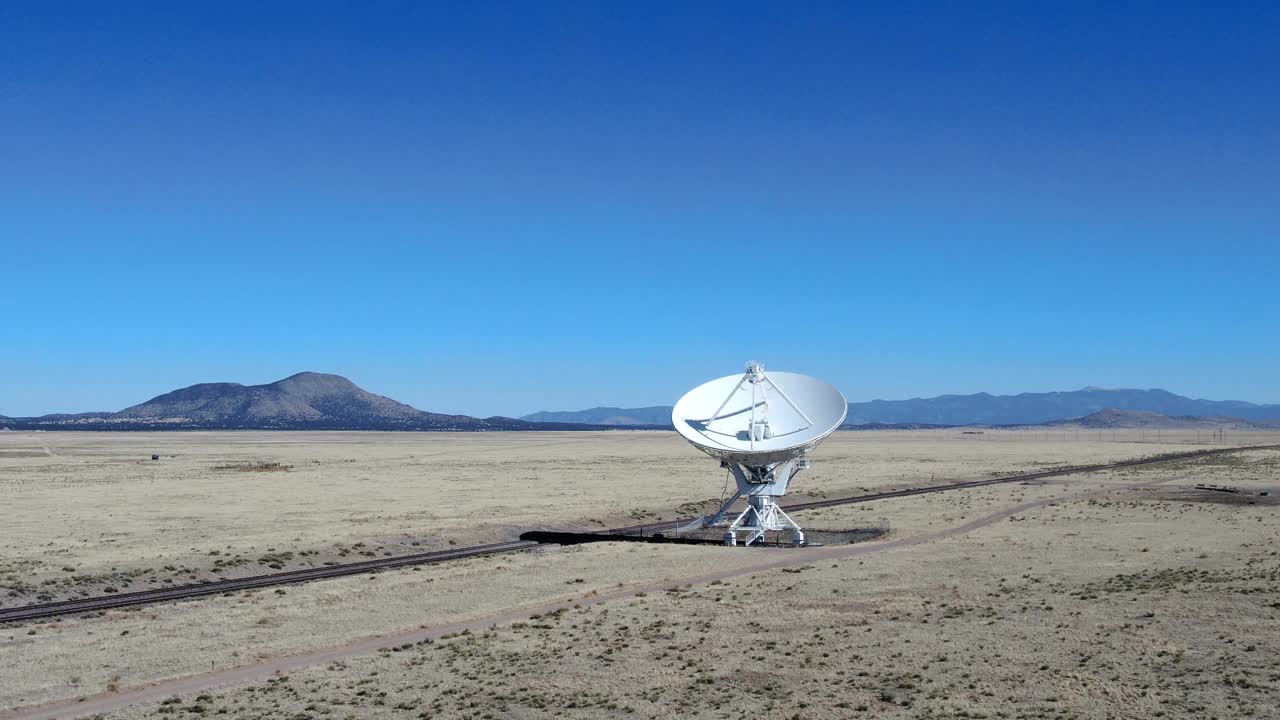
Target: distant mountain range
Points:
(656, 415)
(1035, 408)
(1112, 419)
(306, 401)
(318, 401)
(980, 409)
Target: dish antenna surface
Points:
(761, 426)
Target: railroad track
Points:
(218, 587)
(1073, 470)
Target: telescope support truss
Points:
(761, 486)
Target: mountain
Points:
(1112, 419)
(1035, 408)
(305, 398)
(318, 401)
(982, 409)
(656, 415)
(306, 401)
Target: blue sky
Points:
(512, 207)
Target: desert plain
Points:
(1116, 594)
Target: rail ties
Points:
(217, 587)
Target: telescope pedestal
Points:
(761, 486)
(762, 514)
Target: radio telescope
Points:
(761, 427)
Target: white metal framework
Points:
(761, 486)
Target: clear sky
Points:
(502, 208)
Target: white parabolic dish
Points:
(716, 417)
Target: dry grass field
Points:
(91, 512)
(1119, 594)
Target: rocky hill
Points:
(306, 401)
(305, 398)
